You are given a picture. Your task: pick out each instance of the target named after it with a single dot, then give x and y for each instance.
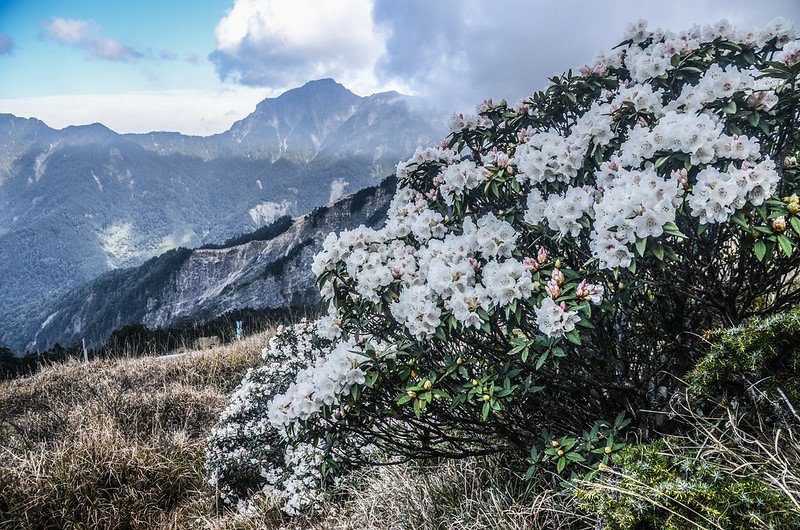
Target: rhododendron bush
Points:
(557, 262)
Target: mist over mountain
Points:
(83, 200)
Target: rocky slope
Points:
(267, 269)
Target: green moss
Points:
(656, 486)
(762, 352)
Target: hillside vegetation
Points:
(114, 443)
(582, 312)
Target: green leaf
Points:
(730, 108)
(529, 473)
(562, 463)
(486, 408)
(574, 337)
(795, 222)
(672, 229)
(540, 361)
(641, 245)
(753, 119)
(739, 220)
(760, 249)
(661, 161)
(658, 251)
(670, 254)
(786, 245)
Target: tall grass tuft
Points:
(114, 444)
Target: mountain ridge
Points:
(79, 201)
(269, 268)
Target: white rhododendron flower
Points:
(553, 320)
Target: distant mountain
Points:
(80, 201)
(268, 268)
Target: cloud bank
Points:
(454, 52)
(201, 112)
(85, 34)
(279, 43)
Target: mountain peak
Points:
(325, 81)
(7, 119)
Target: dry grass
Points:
(455, 494)
(114, 444)
(450, 494)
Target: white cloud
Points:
(199, 112)
(71, 31)
(282, 44)
(85, 34)
(337, 190)
(266, 212)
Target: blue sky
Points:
(41, 66)
(197, 66)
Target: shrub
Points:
(557, 262)
(660, 486)
(724, 471)
(245, 454)
(756, 365)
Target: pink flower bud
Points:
(591, 292)
(552, 289)
(530, 264)
(542, 256)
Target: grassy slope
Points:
(119, 444)
(114, 444)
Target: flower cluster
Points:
(319, 385)
(554, 320)
(717, 194)
(245, 453)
